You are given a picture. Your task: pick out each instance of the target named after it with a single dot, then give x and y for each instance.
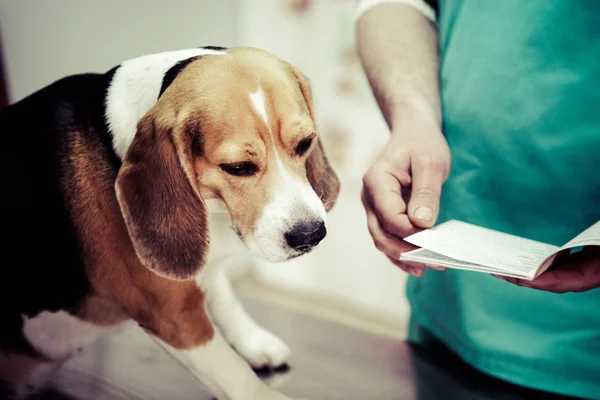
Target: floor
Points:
(331, 361)
(321, 308)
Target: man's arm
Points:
(398, 46)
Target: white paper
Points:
(589, 237)
(507, 254)
(429, 257)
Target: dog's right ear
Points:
(164, 213)
(319, 172)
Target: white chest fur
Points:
(226, 254)
(58, 334)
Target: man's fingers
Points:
(409, 268)
(557, 281)
(578, 277)
(570, 278)
(565, 258)
(428, 175)
(393, 247)
(384, 195)
(390, 245)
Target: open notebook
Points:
(456, 244)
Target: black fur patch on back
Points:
(433, 4)
(42, 266)
(172, 73)
(104, 133)
(216, 48)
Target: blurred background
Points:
(345, 278)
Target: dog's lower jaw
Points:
(272, 251)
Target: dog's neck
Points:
(135, 88)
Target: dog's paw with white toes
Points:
(262, 349)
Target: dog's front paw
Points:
(262, 349)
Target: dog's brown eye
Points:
(303, 146)
(240, 169)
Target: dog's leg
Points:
(226, 374)
(174, 314)
(258, 346)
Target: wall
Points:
(46, 40)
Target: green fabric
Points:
(521, 96)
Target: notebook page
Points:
(477, 245)
(589, 237)
(430, 257)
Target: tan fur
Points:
(232, 131)
(173, 310)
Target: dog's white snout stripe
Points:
(258, 102)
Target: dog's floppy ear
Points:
(321, 176)
(165, 215)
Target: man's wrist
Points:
(414, 112)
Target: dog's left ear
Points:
(164, 214)
(321, 176)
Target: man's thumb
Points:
(424, 206)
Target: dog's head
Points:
(236, 132)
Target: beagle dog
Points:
(125, 193)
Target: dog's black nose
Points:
(305, 235)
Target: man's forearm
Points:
(398, 46)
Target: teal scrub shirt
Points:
(521, 103)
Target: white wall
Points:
(45, 40)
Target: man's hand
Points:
(401, 191)
(398, 47)
(577, 272)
